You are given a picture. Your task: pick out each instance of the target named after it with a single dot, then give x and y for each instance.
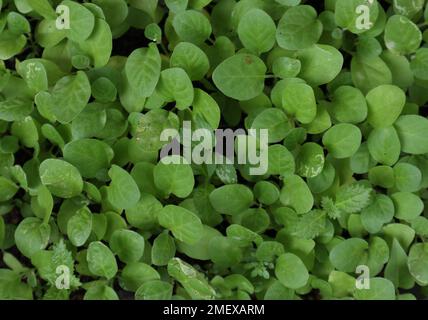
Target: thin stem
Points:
(164, 49)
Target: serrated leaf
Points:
(353, 198)
(310, 225)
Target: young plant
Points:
(92, 208)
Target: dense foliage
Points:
(88, 210)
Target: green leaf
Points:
(408, 177)
(163, 249)
(324, 180)
(311, 224)
(378, 213)
(154, 290)
(115, 11)
(266, 192)
(82, 21)
(143, 69)
(369, 72)
(256, 30)
(99, 45)
(419, 64)
(342, 140)
(385, 102)
(299, 100)
(320, 64)
(127, 244)
(175, 85)
(191, 59)
(380, 289)
(402, 36)
(204, 106)
(17, 23)
(90, 156)
(143, 215)
(231, 199)
(224, 251)
(44, 8)
(310, 160)
(89, 122)
(353, 198)
(26, 131)
(200, 249)
(15, 109)
(7, 189)
(137, 273)
(240, 77)
(349, 254)
(291, 271)
(400, 68)
(384, 145)
(401, 232)
(12, 287)
(153, 32)
(32, 235)
(378, 255)
(408, 206)
(123, 192)
(419, 224)
(267, 251)
(149, 127)
(192, 26)
(299, 28)
(61, 178)
(184, 224)
(411, 130)
(281, 161)
(275, 121)
(349, 105)
(408, 8)
(79, 227)
(70, 96)
(285, 67)
(100, 292)
(418, 262)
(34, 73)
(397, 270)
(101, 261)
(296, 194)
(173, 175)
(276, 290)
(11, 44)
